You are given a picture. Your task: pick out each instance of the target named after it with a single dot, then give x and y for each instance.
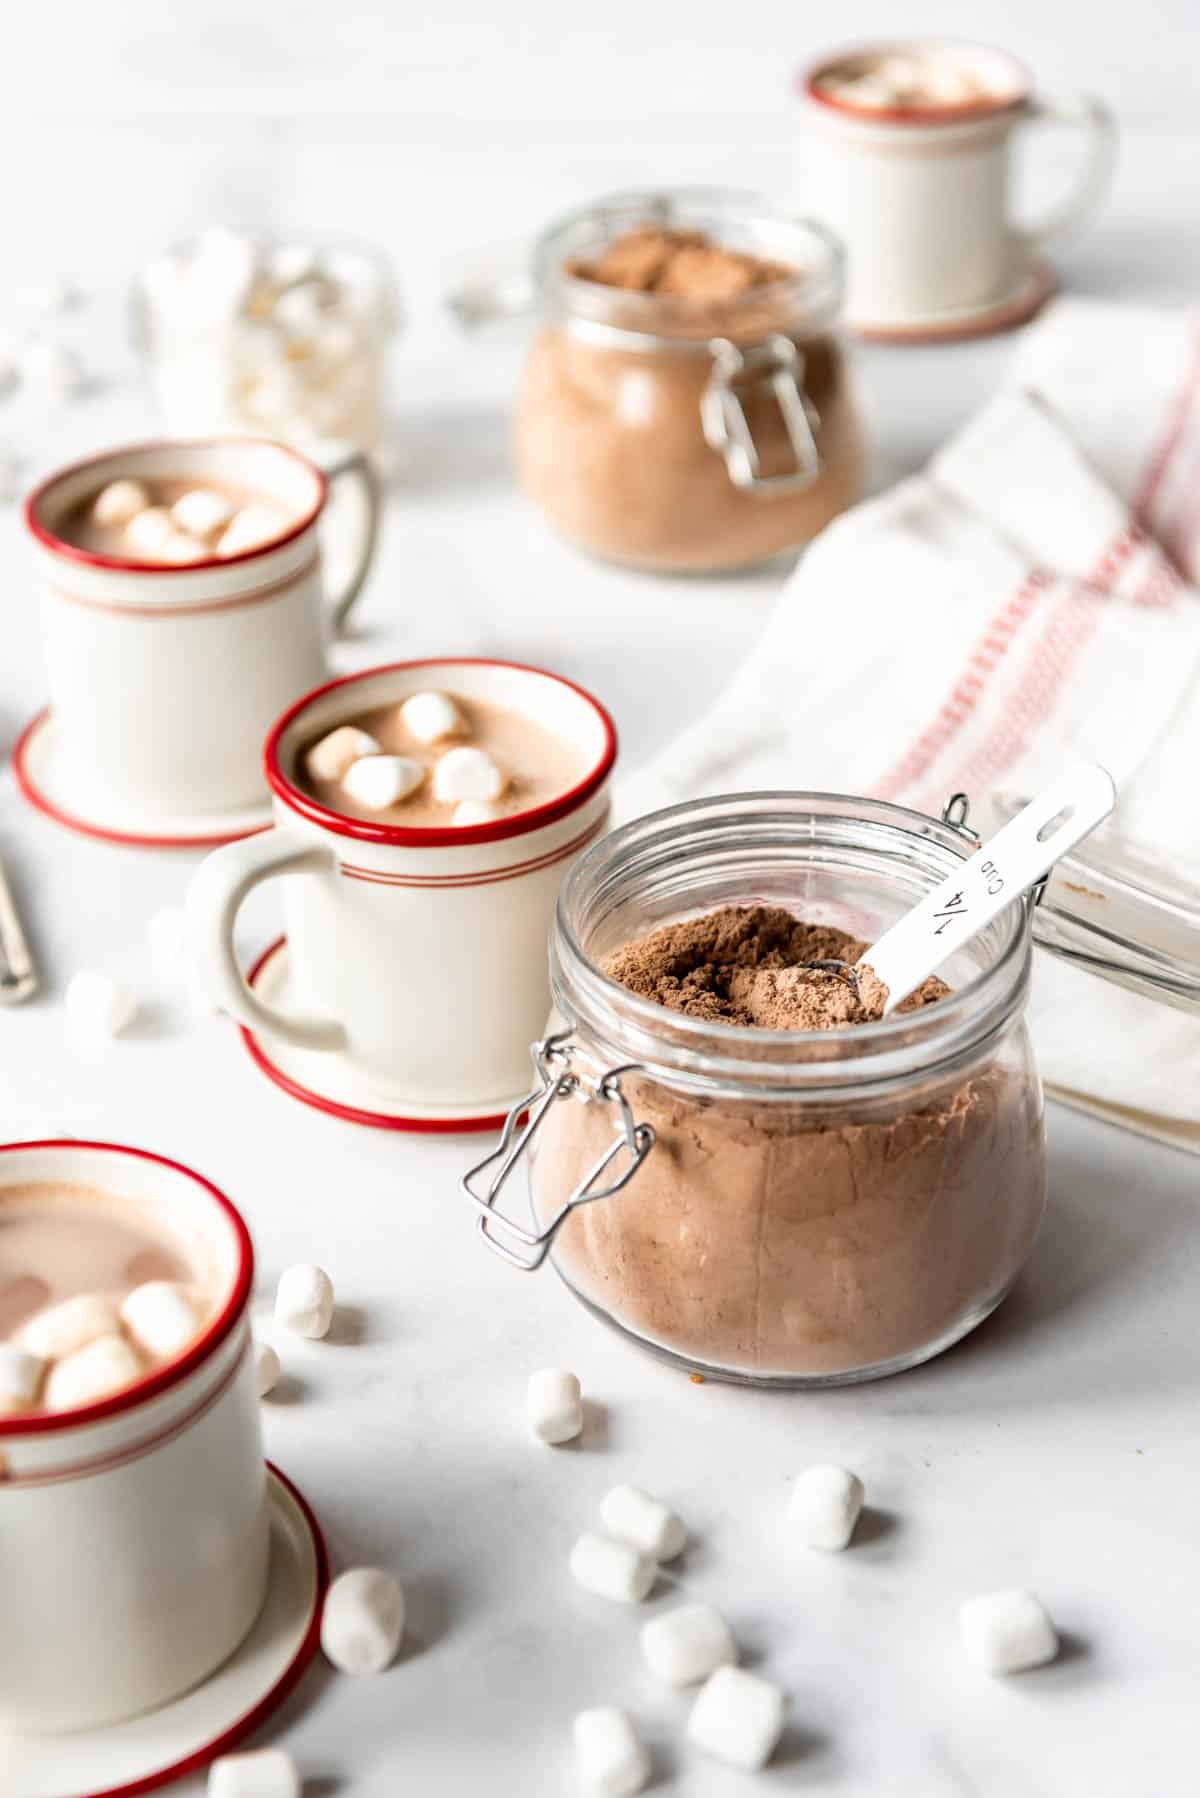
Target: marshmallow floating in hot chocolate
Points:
(105, 1366)
(473, 811)
(70, 1325)
(610, 1756)
(251, 528)
(467, 773)
(21, 1374)
(377, 781)
(329, 758)
(148, 531)
(431, 716)
(202, 512)
(160, 1318)
(119, 502)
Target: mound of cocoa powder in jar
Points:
(687, 264)
(745, 965)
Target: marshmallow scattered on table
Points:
(106, 1365)
(363, 1620)
(377, 781)
(610, 1756)
(266, 1773)
(98, 1005)
(304, 1300)
(1007, 1632)
(149, 530)
(160, 1317)
(70, 1325)
(474, 811)
(825, 1506)
(119, 502)
(738, 1717)
(651, 1526)
(685, 1645)
(554, 1405)
(431, 716)
(266, 1367)
(612, 1569)
(467, 773)
(250, 528)
(202, 512)
(168, 936)
(20, 1378)
(330, 758)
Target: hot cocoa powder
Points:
(792, 1240)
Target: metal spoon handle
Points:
(18, 974)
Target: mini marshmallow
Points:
(554, 1405)
(304, 1300)
(120, 501)
(684, 1646)
(612, 1569)
(738, 1717)
(431, 716)
(179, 547)
(202, 512)
(104, 1366)
(98, 1005)
(20, 1378)
(266, 1367)
(646, 1522)
(474, 811)
(825, 1505)
(377, 781)
(70, 1325)
(168, 936)
(1007, 1632)
(267, 1773)
(330, 758)
(148, 531)
(467, 774)
(610, 1756)
(363, 1620)
(161, 1319)
(254, 525)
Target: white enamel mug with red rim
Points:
(921, 197)
(134, 1531)
(164, 678)
(418, 955)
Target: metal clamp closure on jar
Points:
(557, 1080)
(727, 429)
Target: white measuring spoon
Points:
(1017, 856)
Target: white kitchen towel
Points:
(988, 621)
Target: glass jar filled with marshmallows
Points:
(743, 1191)
(283, 340)
(685, 404)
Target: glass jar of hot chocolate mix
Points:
(781, 1207)
(686, 405)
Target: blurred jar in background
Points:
(286, 341)
(686, 405)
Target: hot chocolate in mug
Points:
(165, 676)
(134, 1528)
(909, 158)
(417, 953)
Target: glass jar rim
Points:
(705, 1054)
(811, 296)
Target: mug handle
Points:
(1095, 122)
(218, 887)
(338, 461)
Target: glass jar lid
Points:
(1118, 909)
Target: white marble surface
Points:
(1057, 1447)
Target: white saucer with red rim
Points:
(45, 783)
(329, 1084)
(1028, 293)
(145, 1752)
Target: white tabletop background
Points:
(1058, 1446)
